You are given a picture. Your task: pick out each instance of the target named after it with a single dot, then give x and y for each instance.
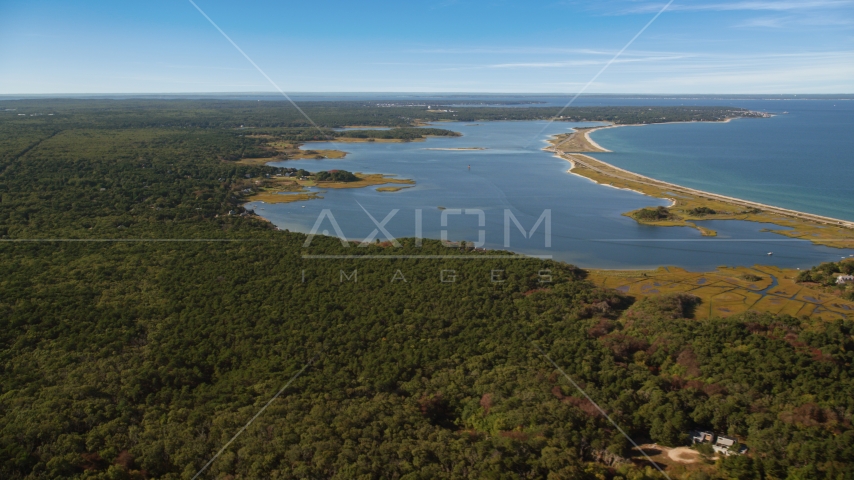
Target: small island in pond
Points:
(292, 185)
(336, 176)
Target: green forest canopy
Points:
(141, 359)
(335, 176)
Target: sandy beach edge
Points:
(679, 188)
(632, 176)
(593, 142)
(612, 125)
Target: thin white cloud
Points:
(758, 5)
(792, 20)
(528, 51)
(807, 72)
(205, 67)
(581, 63)
(759, 80)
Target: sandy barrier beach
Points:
(690, 205)
(577, 144)
(593, 142)
(599, 166)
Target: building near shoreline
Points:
(843, 279)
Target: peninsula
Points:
(295, 185)
(690, 205)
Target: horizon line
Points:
(273, 93)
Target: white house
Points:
(723, 445)
(843, 279)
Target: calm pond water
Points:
(514, 175)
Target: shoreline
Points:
(701, 193)
(686, 203)
(588, 145)
(458, 149)
(742, 202)
(806, 226)
(593, 142)
(289, 190)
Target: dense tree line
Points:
(702, 211)
(249, 115)
(399, 133)
(335, 176)
(309, 134)
(137, 359)
(827, 272)
(652, 214)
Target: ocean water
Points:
(802, 160)
(476, 195)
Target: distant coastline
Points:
(590, 145)
(458, 149)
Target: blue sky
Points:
(158, 46)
